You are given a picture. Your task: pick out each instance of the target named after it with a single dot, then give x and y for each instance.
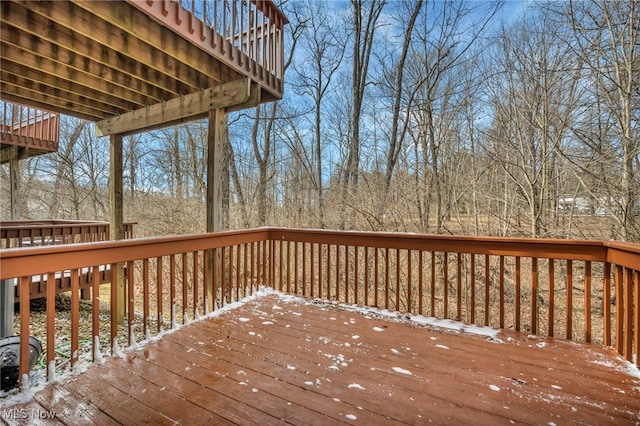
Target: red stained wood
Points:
(284, 359)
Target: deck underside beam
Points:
(186, 108)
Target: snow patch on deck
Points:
(402, 371)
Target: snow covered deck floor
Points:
(280, 359)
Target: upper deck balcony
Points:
(107, 61)
(31, 130)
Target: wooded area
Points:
(423, 116)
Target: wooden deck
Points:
(278, 359)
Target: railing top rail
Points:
(74, 256)
(269, 5)
(20, 224)
(533, 247)
(83, 254)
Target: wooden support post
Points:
(14, 178)
(215, 146)
(116, 228)
(7, 287)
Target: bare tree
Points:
(535, 96)
(365, 22)
(323, 53)
(395, 81)
(64, 161)
(445, 37)
(262, 129)
(607, 39)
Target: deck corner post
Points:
(215, 153)
(116, 228)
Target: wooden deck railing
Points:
(246, 35)
(21, 233)
(32, 233)
(29, 127)
(577, 290)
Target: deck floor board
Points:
(278, 359)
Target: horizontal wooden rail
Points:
(577, 290)
(30, 233)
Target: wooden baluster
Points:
(534, 295)
(376, 276)
(304, 269)
(159, 292)
(472, 313)
(386, 278)
(409, 283)
(587, 301)
(215, 271)
(247, 269)
(114, 308)
(627, 329)
(238, 272)
(398, 290)
(328, 271)
(51, 324)
(130, 300)
(346, 274)
(518, 291)
(196, 273)
(25, 315)
(223, 276)
(459, 288)
(185, 289)
(366, 276)
(295, 267)
(501, 286)
(606, 304)
(636, 327)
(420, 281)
(445, 280)
(145, 297)
(569, 312)
(172, 289)
(75, 316)
(433, 283)
(487, 288)
(312, 269)
(355, 274)
(552, 297)
(280, 243)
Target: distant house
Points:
(602, 206)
